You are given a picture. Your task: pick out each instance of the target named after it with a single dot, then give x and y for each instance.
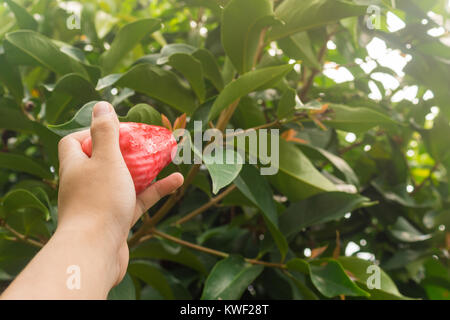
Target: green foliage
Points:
(229, 278)
(361, 179)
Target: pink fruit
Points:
(146, 149)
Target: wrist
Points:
(94, 226)
(96, 242)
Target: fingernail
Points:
(102, 108)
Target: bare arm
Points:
(97, 205)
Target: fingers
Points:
(69, 147)
(155, 192)
(104, 131)
(80, 135)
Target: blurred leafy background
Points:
(364, 151)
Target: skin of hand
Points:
(97, 206)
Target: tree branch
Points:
(212, 251)
(21, 237)
(315, 72)
(267, 125)
(226, 115)
(206, 206)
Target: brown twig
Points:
(206, 206)
(350, 147)
(274, 123)
(226, 115)
(212, 251)
(261, 45)
(21, 237)
(305, 89)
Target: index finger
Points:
(69, 147)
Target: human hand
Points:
(96, 195)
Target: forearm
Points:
(72, 256)
(97, 205)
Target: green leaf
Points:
(331, 280)
(104, 23)
(192, 70)
(12, 118)
(35, 186)
(24, 19)
(125, 290)
(298, 47)
(248, 114)
(301, 15)
(21, 198)
(49, 140)
(359, 270)
(437, 280)
(318, 209)
(155, 250)
(229, 278)
(211, 69)
(357, 119)
(245, 84)
(26, 213)
(142, 113)
(123, 95)
(5, 276)
(242, 23)
(212, 5)
(328, 276)
(436, 139)
(299, 281)
(32, 47)
(14, 256)
(174, 48)
(336, 161)
(257, 189)
(297, 177)
(423, 67)
(228, 71)
(406, 232)
(153, 276)
(17, 162)
(398, 194)
(160, 84)
(176, 54)
(298, 265)
(81, 121)
(107, 81)
(93, 71)
(10, 76)
(288, 104)
(126, 39)
(70, 91)
(87, 22)
(223, 167)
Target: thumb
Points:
(104, 131)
